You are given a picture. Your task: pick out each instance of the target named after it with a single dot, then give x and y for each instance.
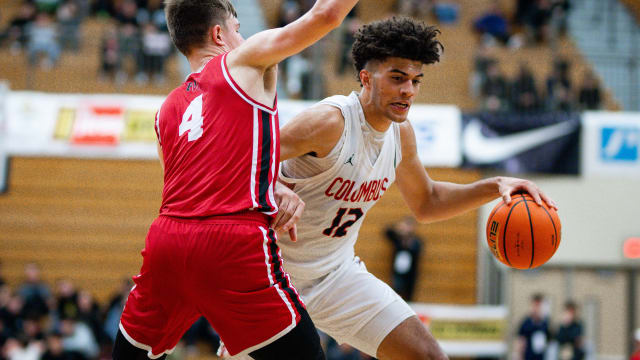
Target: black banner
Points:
(522, 143)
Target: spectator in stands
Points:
(407, 247)
(114, 310)
(67, 300)
(21, 349)
(299, 74)
(110, 55)
(538, 20)
(560, 16)
(156, 47)
(77, 337)
(348, 28)
(493, 25)
(559, 90)
(534, 333)
(494, 90)
(290, 10)
(524, 95)
(43, 40)
(16, 32)
(35, 292)
(414, 8)
(56, 351)
(69, 19)
(32, 329)
(560, 99)
(524, 10)
(589, 97)
(128, 34)
(48, 6)
(11, 315)
(570, 334)
(90, 314)
(481, 61)
(4, 336)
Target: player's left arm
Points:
(431, 200)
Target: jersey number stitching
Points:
(192, 120)
(342, 230)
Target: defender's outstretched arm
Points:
(269, 47)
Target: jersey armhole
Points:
(398, 150)
(242, 94)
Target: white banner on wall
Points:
(610, 144)
(121, 126)
(466, 331)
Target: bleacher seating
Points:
(84, 220)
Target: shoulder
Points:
(407, 137)
(320, 119)
(316, 129)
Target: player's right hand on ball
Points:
(290, 208)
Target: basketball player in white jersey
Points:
(343, 154)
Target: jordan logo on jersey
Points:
(345, 190)
(350, 160)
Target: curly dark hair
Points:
(396, 37)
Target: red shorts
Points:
(227, 269)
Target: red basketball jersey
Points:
(221, 148)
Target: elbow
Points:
(329, 17)
(425, 216)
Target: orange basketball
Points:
(523, 235)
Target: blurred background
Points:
(548, 90)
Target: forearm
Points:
(333, 11)
(447, 200)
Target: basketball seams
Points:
(555, 231)
(531, 229)
(504, 234)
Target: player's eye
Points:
(416, 82)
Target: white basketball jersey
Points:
(338, 198)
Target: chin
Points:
(397, 118)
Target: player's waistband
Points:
(242, 217)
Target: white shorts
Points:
(353, 306)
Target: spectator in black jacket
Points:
(589, 97)
(407, 247)
(570, 334)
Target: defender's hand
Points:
(508, 186)
(290, 210)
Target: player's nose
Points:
(408, 89)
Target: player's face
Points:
(394, 85)
(231, 33)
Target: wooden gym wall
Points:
(86, 220)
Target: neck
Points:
(375, 118)
(199, 57)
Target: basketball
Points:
(523, 235)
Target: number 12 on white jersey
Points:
(192, 119)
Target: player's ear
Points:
(365, 78)
(216, 35)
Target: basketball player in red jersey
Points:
(212, 252)
(341, 155)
